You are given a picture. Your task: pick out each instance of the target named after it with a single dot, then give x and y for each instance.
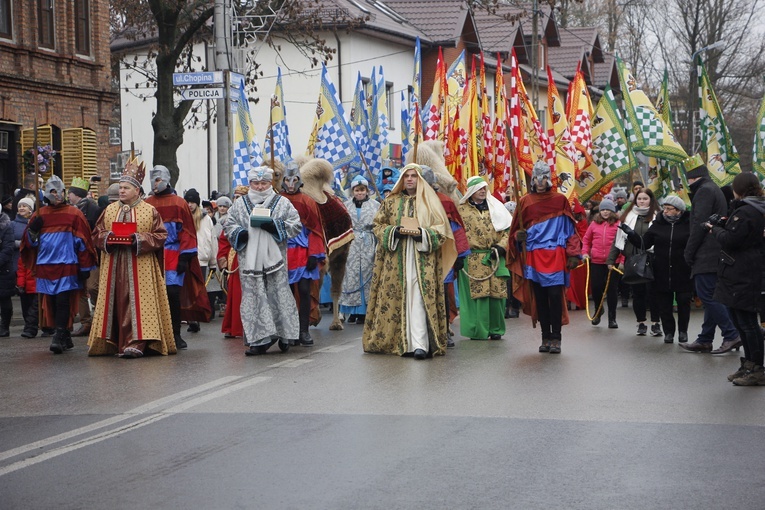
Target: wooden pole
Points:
(271, 129)
(37, 171)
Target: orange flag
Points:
(562, 153)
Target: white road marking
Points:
(337, 348)
(171, 411)
(290, 363)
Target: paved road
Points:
(615, 421)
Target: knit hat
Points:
(223, 201)
(695, 167)
(192, 195)
(113, 192)
(620, 194)
(28, 202)
(607, 205)
(675, 201)
(7, 199)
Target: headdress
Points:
(539, 171)
(500, 217)
(241, 190)
(359, 180)
(695, 167)
(260, 173)
(54, 183)
(162, 173)
(134, 173)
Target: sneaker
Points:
(745, 366)
(555, 347)
(752, 377)
(545, 347)
(656, 329)
(642, 329)
(612, 324)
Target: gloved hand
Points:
(35, 225)
(21, 290)
(626, 228)
(244, 236)
(418, 237)
(183, 262)
(83, 275)
(134, 241)
(269, 227)
(521, 236)
(572, 262)
(459, 264)
(500, 250)
(397, 233)
(311, 263)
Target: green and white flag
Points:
(758, 154)
(648, 132)
(611, 155)
(716, 142)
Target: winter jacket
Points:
(207, 245)
(670, 270)
(19, 225)
(598, 240)
(89, 208)
(7, 247)
(703, 250)
(742, 255)
(640, 227)
(25, 279)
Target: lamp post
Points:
(691, 95)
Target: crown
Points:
(694, 161)
(79, 182)
(134, 172)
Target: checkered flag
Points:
(650, 126)
(609, 153)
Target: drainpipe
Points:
(339, 69)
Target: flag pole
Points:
(369, 171)
(35, 153)
(271, 128)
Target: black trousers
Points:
(664, 302)
(748, 327)
(642, 299)
(304, 311)
(174, 300)
(549, 301)
(598, 277)
(29, 310)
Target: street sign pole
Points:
(222, 62)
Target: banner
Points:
(758, 152)
(247, 152)
(278, 133)
(563, 152)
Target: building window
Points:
(6, 25)
(45, 29)
(82, 26)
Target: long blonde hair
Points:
(197, 215)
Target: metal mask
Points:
(291, 182)
(163, 174)
(57, 185)
(541, 177)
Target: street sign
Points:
(206, 78)
(194, 94)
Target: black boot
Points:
(58, 344)
(5, 322)
(305, 338)
(67, 341)
(612, 319)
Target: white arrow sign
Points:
(194, 94)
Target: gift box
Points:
(259, 216)
(123, 232)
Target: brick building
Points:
(55, 71)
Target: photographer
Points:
(741, 238)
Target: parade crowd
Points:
(135, 266)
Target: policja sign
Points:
(194, 94)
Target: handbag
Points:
(638, 268)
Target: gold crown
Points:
(79, 182)
(694, 161)
(134, 172)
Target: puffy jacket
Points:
(207, 245)
(598, 240)
(25, 279)
(741, 256)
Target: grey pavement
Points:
(615, 421)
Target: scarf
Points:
(501, 218)
(263, 254)
(671, 219)
(621, 238)
(641, 211)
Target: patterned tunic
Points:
(482, 236)
(361, 256)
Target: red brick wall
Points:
(57, 86)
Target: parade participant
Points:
(258, 227)
(702, 253)
(25, 280)
(387, 177)
(180, 254)
(741, 239)
(58, 249)
(596, 245)
(415, 252)
(482, 281)
(78, 197)
(132, 314)
(305, 252)
(207, 244)
(638, 216)
(7, 274)
(361, 256)
(512, 305)
(223, 204)
(543, 247)
(228, 261)
(672, 284)
(461, 244)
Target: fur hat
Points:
(607, 205)
(675, 201)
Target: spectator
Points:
(25, 280)
(596, 246)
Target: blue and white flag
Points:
(278, 129)
(247, 152)
(405, 126)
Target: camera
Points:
(95, 178)
(717, 220)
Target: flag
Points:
(456, 79)
(659, 176)
(561, 147)
(722, 156)
(579, 114)
(469, 120)
(247, 152)
(501, 169)
(455, 152)
(532, 142)
(331, 137)
(758, 152)
(648, 132)
(484, 134)
(379, 122)
(611, 155)
(405, 127)
(278, 133)
(435, 119)
(359, 124)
